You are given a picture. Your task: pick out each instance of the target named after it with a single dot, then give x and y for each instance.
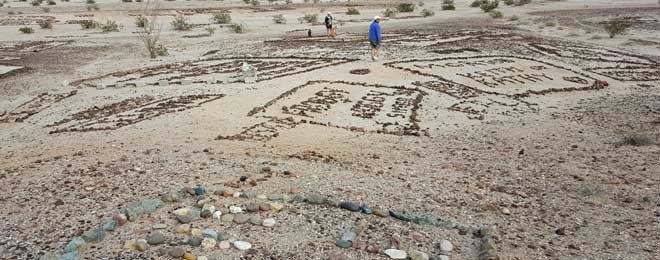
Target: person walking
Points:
(328, 24)
(375, 38)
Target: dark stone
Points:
(349, 206)
(156, 238)
(94, 235)
(243, 178)
(400, 216)
(366, 210)
(184, 219)
(194, 241)
(199, 190)
(344, 244)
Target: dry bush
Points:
(406, 7)
(614, 28)
(26, 30)
(279, 19)
(45, 24)
(150, 33)
(352, 11)
(221, 18)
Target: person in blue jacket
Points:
(375, 38)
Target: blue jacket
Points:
(374, 32)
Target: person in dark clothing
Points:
(375, 38)
(328, 23)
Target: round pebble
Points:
(343, 243)
(396, 254)
(446, 246)
(224, 244)
(177, 252)
(182, 229)
(196, 232)
(242, 245)
(264, 207)
(255, 220)
(227, 218)
(208, 243)
(241, 218)
(194, 241)
(156, 238)
(189, 256)
(418, 255)
(269, 222)
(234, 209)
(181, 212)
(217, 214)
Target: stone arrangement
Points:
(208, 238)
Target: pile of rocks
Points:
(209, 238)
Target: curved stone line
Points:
(487, 251)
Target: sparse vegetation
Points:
(406, 7)
(522, 2)
(149, 34)
(90, 2)
(496, 14)
(255, 2)
(514, 18)
(238, 28)
(489, 5)
(88, 24)
(550, 24)
(478, 3)
(447, 5)
(141, 21)
(26, 30)
(46, 10)
(586, 190)
(222, 18)
(615, 28)
(180, 23)
(92, 7)
(390, 13)
(109, 26)
(279, 19)
(36, 2)
(310, 18)
(509, 2)
(52, 2)
(210, 30)
(45, 24)
(427, 13)
(352, 11)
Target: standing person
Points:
(328, 23)
(375, 38)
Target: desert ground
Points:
(530, 136)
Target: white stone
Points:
(163, 83)
(217, 214)
(208, 243)
(120, 85)
(269, 222)
(208, 207)
(65, 83)
(446, 246)
(418, 255)
(262, 197)
(211, 81)
(202, 258)
(396, 254)
(237, 194)
(234, 209)
(242, 245)
(181, 212)
(506, 211)
(224, 244)
(186, 82)
(444, 257)
(140, 84)
(100, 86)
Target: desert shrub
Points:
(88, 24)
(406, 7)
(635, 140)
(477, 3)
(496, 14)
(127, 1)
(310, 18)
(279, 19)
(509, 2)
(514, 18)
(255, 2)
(109, 26)
(1, 4)
(238, 28)
(45, 24)
(420, 3)
(352, 11)
(288, 2)
(221, 18)
(180, 24)
(90, 2)
(489, 5)
(389, 13)
(448, 5)
(26, 30)
(141, 21)
(11, 13)
(93, 7)
(46, 10)
(160, 50)
(522, 2)
(550, 24)
(51, 2)
(427, 13)
(209, 30)
(36, 2)
(247, 2)
(614, 28)
(586, 190)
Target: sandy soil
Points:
(541, 126)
